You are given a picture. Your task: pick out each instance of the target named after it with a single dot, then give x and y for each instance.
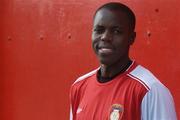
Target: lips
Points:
(105, 50)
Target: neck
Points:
(114, 69)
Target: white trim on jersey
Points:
(158, 103)
(86, 76)
(147, 88)
(71, 114)
(144, 75)
(94, 71)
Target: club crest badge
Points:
(116, 112)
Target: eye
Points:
(117, 31)
(98, 30)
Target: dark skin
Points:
(112, 37)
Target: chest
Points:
(118, 101)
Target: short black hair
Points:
(116, 6)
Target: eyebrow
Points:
(117, 27)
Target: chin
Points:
(106, 61)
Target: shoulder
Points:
(78, 87)
(158, 98)
(84, 77)
(153, 85)
(145, 77)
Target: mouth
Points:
(105, 50)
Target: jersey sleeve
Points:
(158, 104)
(73, 104)
(70, 114)
(74, 98)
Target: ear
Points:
(133, 37)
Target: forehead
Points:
(110, 17)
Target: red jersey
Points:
(133, 95)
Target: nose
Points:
(106, 36)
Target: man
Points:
(120, 89)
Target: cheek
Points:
(95, 39)
(94, 45)
(121, 40)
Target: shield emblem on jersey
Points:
(116, 112)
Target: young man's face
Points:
(111, 36)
